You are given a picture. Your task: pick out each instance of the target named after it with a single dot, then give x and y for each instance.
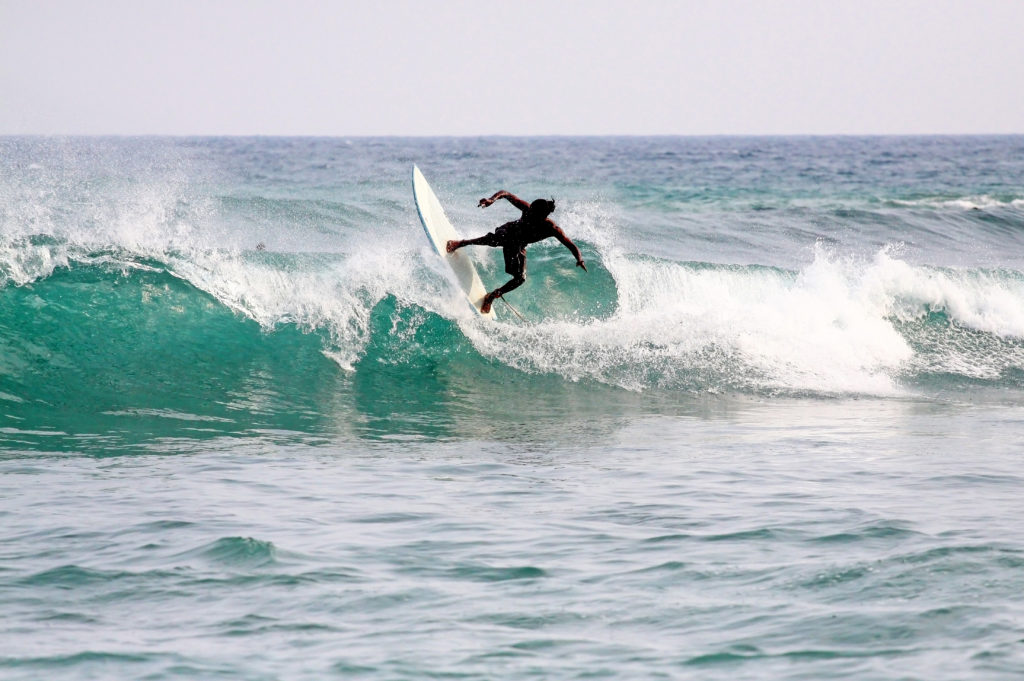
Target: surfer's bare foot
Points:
(452, 245)
(488, 299)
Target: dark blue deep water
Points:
(250, 430)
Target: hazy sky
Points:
(380, 67)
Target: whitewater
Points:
(773, 433)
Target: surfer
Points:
(513, 237)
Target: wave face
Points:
(135, 298)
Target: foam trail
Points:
(833, 327)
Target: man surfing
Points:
(513, 237)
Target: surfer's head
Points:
(542, 208)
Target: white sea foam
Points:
(22, 262)
(831, 327)
(976, 202)
(987, 301)
(736, 328)
(141, 224)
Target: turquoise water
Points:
(774, 433)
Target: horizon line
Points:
(498, 135)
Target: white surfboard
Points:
(439, 230)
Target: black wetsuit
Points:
(514, 237)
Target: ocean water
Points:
(249, 429)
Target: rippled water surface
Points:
(773, 434)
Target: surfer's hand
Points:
(580, 263)
(485, 202)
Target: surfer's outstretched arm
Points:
(567, 242)
(512, 198)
